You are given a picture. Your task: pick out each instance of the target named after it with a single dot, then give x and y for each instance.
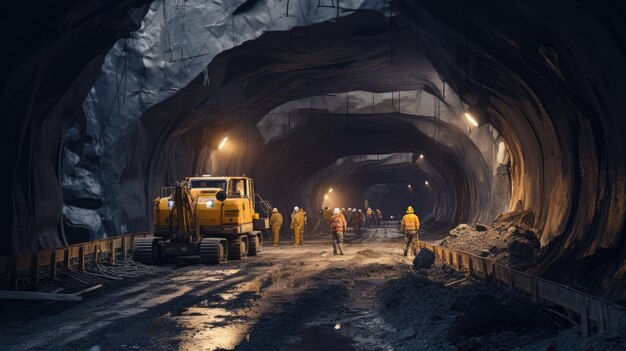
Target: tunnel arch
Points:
(555, 101)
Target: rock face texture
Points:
(54, 52)
(96, 127)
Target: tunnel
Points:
(468, 111)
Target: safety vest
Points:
(338, 223)
(410, 222)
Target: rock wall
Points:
(53, 54)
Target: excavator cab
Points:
(209, 219)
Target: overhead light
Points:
(478, 114)
(471, 119)
(330, 190)
(222, 143)
(326, 197)
(426, 182)
(421, 156)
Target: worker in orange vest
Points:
(410, 225)
(338, 228)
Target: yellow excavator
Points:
(204, 219)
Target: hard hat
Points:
(296, 208)
(275, 209)
(349, 208)
(354, 210)
(409, 210)
(336, 211)
(359, 210)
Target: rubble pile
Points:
(424, 259)
(511, 240)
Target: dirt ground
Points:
(300, 299)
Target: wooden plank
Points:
(66, 258)
(53, 264)
(35, 295)
(81, 258)
(112, 252)
(124, 248)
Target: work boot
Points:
(340, 249)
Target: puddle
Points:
(325, 337)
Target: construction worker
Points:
(327, 213)
(297, 226)
(410, 225)
(296, 209)
(379, 216)
(370, 217)
(306, 222)
(276, 221)
(357, 218)
(338, 228)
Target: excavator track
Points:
(255, 242)
(146, 250)
(238, 248)
(213, 250)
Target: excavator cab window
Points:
(238, 188)
(204, 183)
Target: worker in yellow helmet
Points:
(297, 225)
(276, 221)
(410, 225)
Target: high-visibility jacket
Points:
(298, 221)
(327, 214)
(276, 221)
(410, 222)
(338, 223)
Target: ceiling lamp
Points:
(477, 114)
(222, 143)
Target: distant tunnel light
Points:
(222, 143)
(426, 182)
(409, 186)
(471, 119)
(330, 190)
(421, 156)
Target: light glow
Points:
(409, 186)
(421, 156)
(222, 143)
(426, 182)
(471, 119)
(326, 197)
(330, 190)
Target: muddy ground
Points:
(301, 299)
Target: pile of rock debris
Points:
(511, 240)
